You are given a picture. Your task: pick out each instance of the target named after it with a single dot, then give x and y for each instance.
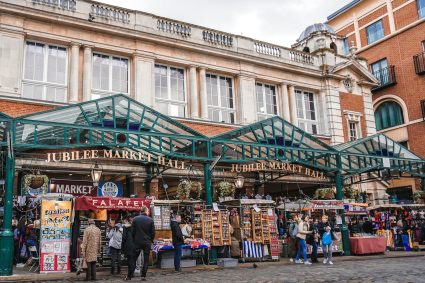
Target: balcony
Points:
(386, 77)
(419, 62)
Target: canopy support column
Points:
(339, 196)
(6, 235)
(423, 184)
(207, 183)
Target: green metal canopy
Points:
(379, 152)
(274, 139)
(4, 124)
(110, 121)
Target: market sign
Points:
(110, 189)
(327, 204)
(55, 236)
(355, 208)
(73, 187)
(277, 166)
(90, 154)
(110, 203)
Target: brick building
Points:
(56, 53)
(390, 35)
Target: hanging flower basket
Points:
(35, 184)
(226, 189)
(351, 193)
(188, 189)
(419, 197)
(325, 193)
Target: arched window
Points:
(388, 114)
(306, 49)
(333, 46)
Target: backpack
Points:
(293, 230)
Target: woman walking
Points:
(127, 246)
(303, 231)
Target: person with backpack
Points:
(115, 241)
(293, 243)
(303, 231)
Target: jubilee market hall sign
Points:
(178, 164)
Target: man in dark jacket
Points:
(178, 241)
(143, 232)
(127, 246)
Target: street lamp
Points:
(96, 173)
(239, 181)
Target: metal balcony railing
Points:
(419, 62)
(386, 77)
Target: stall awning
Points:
(110, 203)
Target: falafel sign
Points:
(110, 203)
(55, 236)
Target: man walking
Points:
(143, 231)
(90, 248)
(178, 241)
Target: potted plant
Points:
(419, 196)
(325, 193)
(188, 189)
(196, 190)
(351, 193)
(35, 184)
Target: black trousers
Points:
(131, 262)
(115, 260)
(91, 271)
(146, 251)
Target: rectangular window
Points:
(375, 32)
(306, 111)
(266, 101)
(423, 45)
(110, 75)
(380, 71)
(220, 99)
(421, 8)
(45, 72)
(353, 130)
(170, 90)
(346, 46)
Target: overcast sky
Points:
(275, 21)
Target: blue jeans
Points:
(302, 250)
(178, 249)
(327, 251)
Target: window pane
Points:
(104, 72)
(32, 91)
(421, 8)
(375, 32)
(56, 65)
(119, 75)
(34, 61)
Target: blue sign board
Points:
(110, 189)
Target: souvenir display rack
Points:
(257, 227)
(246, 223)
(266, 227)
(225, 226)
(212, 227)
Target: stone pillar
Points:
(293, 103)
(369, 114)
(324, 113)
(154, 188)
(73, 78)
(145, 79)
(194, 106)
(87, 73)
(390, 16)
(286, 112)
(203, 93)
(356, 31)
(247, 96)
(335, 115)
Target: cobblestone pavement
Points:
(403, 270)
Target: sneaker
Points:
(325, 260)
(302, 261)
(291, 260)
(307, 262)
(330, 262)
(298, 261)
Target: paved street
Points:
(378, 270)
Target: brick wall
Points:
(353, 103)
(346, 30)
(416, 142)
(207, 129)
(406, 15)
(397, 3)
(372, 16)
(16, 109)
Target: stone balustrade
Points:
(266, 49)
(110, 13)
(217, 38)
(174, 27)
(301, 57)
(69, 5)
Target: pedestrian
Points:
(303, 231)
(322, 227)
(313, 240)
(327, 245)
(178, 241)
(127, 246)
(143, 232)
(90, 248)
(115, 241)
(293, 243)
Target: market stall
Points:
(254, 225)
(367, 245)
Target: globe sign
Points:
(110, 189)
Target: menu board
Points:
(55, 236)
(161, 217)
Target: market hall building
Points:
(152, 101)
